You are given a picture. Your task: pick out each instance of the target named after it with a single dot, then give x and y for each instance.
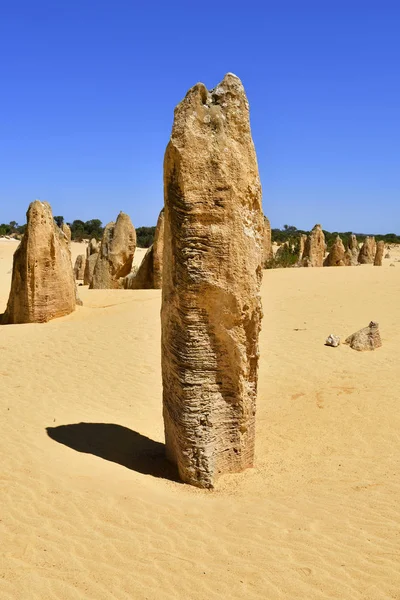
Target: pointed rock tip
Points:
(231, 79)
(39, 204)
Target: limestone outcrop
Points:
(79, 268)
(211, 307)
(114, 259)
(367, 338)
(67, 232)
(367, 252)
(314, 250)
(380, 249)
(89, 269)
(149, 274)
(336, 256)
(43, 283)
(352, 252)
(267, 242)
(302, 245)
(92, 250)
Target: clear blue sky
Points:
(88, 90)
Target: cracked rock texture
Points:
(114, 259)
(43, 282)
(211, 306)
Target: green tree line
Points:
(289, 233)
(81, 230)
(145, 235)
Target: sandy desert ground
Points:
(90, 509)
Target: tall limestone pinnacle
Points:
(367, 251)
(336, 256)
(314, 249)
(114, 259)
(380, 250)
(43, 282)
(211, 306)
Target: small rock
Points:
(367, 338)
(332, 340)
(392, 265)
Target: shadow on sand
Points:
(117, 444)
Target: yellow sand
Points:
(319, 515)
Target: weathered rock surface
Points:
(67, 232)
(267, 242)
(367, 338)
(352, 252)
(114, 259)
(149, 274)
(79, 268)
(336, 256)
(89, 269)
(211, 308)
(302, 245)
(143, 278)
(93, 247)
(332, 340)
(314, 250)
(43, 283)
(367, 252)
(380, 249)
(92, 250)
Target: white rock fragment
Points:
(332, 340)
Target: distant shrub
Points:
(286, 256)
(145, 236)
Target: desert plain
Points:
(91, 510)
